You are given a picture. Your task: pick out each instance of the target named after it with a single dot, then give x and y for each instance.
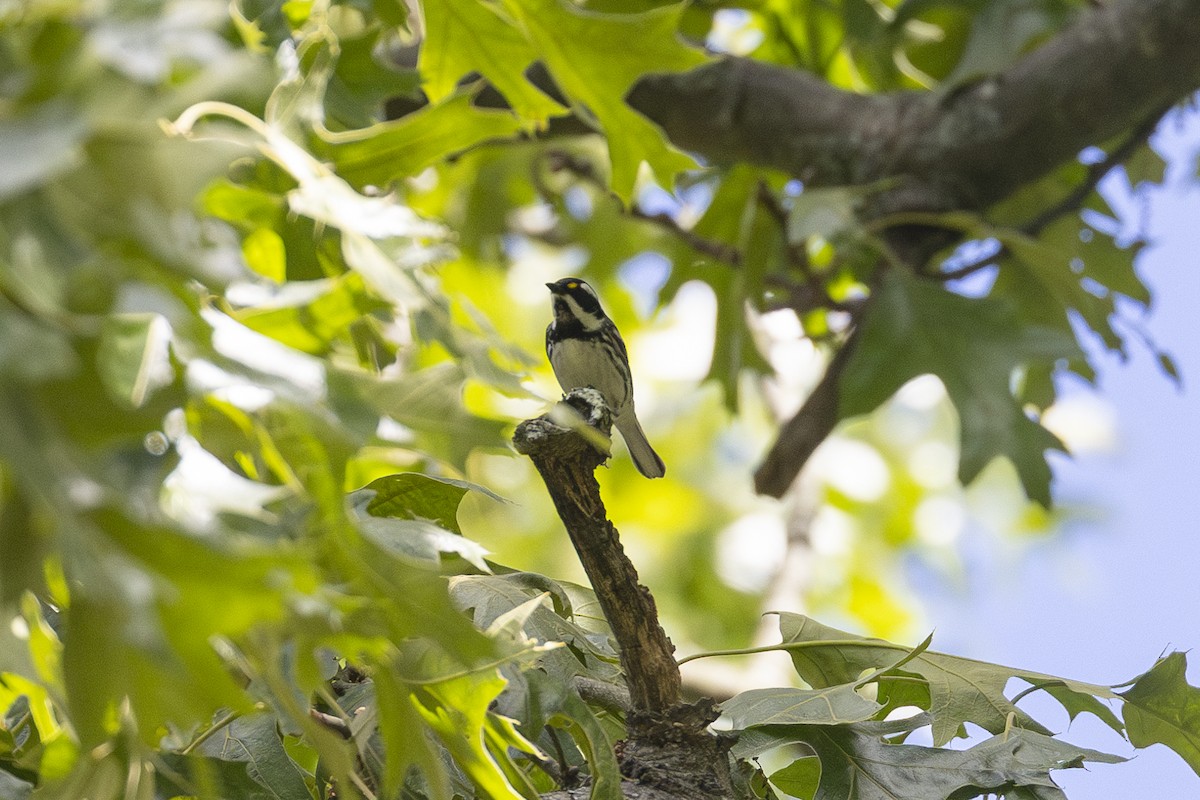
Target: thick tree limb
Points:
(966, 149)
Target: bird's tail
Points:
(644, 458)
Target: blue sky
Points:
(1120, 586)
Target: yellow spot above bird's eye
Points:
(572, 285)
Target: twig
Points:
(789, 646)
(1096, 173)
(716, 250)
(562, 161)
(813, 294)
(223, 722)
(335, 724)
(1072, 201)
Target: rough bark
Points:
(566, 462)
(669, 751)
(967, 148)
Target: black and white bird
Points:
(586, 350)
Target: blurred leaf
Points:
(429, 402)
(961, 689)
(914, 327)
(466, 36)
(421, 539)
(734, 217)
(147, 605)
(400, 727)
(825, 212)
(1002, 30)
(1144, 166)
(134, 356)
(13, 788)
(384, 153)
(315, 323)
(366, 76)
(39, 144)
(1162, 708)
(1071, 269)
(20, 335)
(578, 46)
(23, 541)
(266, 254)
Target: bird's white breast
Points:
(579, 363)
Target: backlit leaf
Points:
(915, 327)
(134, 356)
(577, 47)
(960, 689)
(464, 36)
(1162, 707)
(856, 763)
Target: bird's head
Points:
(573, 301)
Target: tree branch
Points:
(965, 149)
(668, 748)
(566, 462)
(801, 435)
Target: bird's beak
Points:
(550, 286)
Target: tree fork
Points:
(669, 746)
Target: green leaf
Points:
(597, 746)
(21, 335)
(398, 724)
(315, 323)
(464, 36)
(914, 327)
(1002, 30)
(489, 597)
(410, 495)
(799, 779)
(254, 740)
(388, 151)
(825, 212)
(428, 401)
(832, 705)
(1071, 267)
(1144, 166)
(39, 144)
(960, 689)
(147, 601)
(248, 208)
(265, 253)
(578, 46)
(134, 356)
(418, 538)
(1161, 707)
(856, 763)
(735, 216)
(456, 710)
